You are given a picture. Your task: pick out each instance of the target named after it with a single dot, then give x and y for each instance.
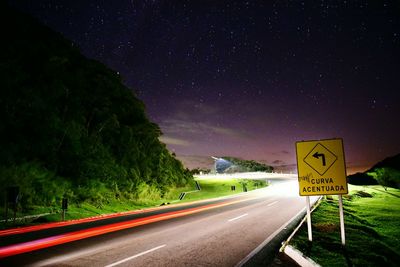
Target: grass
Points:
(372, 224)
(210, 188)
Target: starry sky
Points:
(249, 78)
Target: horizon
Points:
(193, 162)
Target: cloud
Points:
(177, 127)
(197, 111)
(192, 161)
(200, 107)
(278, 162)
(282, 152)
(226, 131)
(173, 141)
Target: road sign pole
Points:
(342, 233)
(309, 219)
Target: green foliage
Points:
(385, 172)
(37, 185)
(361, 179)
(211, 188)
(200, 170)
(70, 127)
(371, 225)
(387, 177)
(249, 165)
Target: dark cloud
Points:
(278, 162)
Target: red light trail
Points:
(95, 231)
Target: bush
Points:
(387, 177)
(361, 179)
(37, 185)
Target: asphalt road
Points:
(217, 233)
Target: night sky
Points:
(249, 78)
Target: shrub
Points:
(387, 177)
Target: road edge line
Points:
(254, 258)
(258, 249)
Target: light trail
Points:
(99, 230)
(33, 228)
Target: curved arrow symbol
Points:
(318, 155)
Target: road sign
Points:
(321, 167)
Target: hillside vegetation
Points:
(249, 165)
(385, 173)
(70, 128)
(371, 217)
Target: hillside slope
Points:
(248, 165)
(69, 127)
(388, 169)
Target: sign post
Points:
(309, 219)
(12, 196)
(64, 207)
(341, 221)
(322, 171)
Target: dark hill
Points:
(390, 162)
(69, 126)
(365, 179)
(248, 165)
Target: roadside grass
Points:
(210, 188)
(372, 224)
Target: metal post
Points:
(342, 233)
(309, 219)
(64, 207)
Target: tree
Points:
(387, 177)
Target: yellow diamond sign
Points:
(320, 159)
(321, 167)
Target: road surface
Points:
(209, 233)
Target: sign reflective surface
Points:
(321, 167)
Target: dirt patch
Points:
(363, 194)
(326, 227)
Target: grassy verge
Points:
(209, 189)
(372, 223)
(212, 188)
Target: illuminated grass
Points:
(372, 223)
(210, 188)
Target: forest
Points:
(69, 126)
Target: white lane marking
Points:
(236, 218)
(273, 203)
(135, 256)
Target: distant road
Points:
(247, 175)
(209, 233)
